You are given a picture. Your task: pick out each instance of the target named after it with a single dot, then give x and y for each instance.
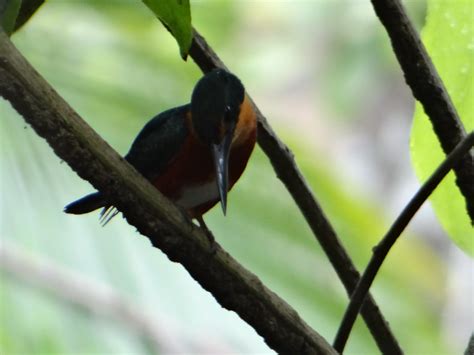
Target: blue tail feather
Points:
(86, 204)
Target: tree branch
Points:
(428, 88)
(470, 346)
(150, 212)
(381, 250)
(283, 162)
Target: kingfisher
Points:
(195, 153)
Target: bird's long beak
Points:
(221, 162)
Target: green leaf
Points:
(176, 17)
(8, 13)
(449, 39)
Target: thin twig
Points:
(144, 207)
(283, 162)
(382, 249)
(428, 88)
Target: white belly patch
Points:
(196, 195)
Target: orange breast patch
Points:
(192, 169)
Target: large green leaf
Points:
(448, 36)
(8, 13)
(176, 16)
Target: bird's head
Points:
(215, 108)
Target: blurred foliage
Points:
(8, 13)
(176, 16)
(449, 38)
(117, 66)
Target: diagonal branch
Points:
(151, 213)
(427, 87)
(381, 250)
(287, 171)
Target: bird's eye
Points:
(228, 113)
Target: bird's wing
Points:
(159, 141)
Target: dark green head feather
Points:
(215, 105)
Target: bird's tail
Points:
(86, 204)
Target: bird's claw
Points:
(209, 235)
(212, 241)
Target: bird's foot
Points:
(212, 241)
(209, 235)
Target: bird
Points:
(193, 154)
